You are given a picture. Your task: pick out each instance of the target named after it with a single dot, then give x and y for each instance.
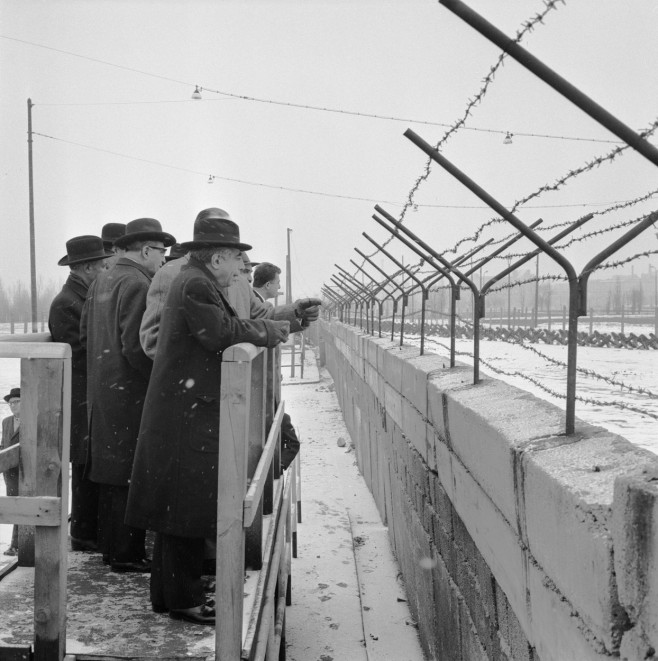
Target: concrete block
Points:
(635, 539)
(557, 633)
(487, 424)
(431, 440)
(472, 649)
(568, 496)
(394, 359)
(493, 535)
(415, 428)
(439, 383)
(446, 636)
(393, 404)
(415, 372)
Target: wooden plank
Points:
(265, 634)
(31, 371)
(249, 642)
(242, 352)
(232, 484)
(30, 511)
(271, 404)
(25, 337)
(34, 350)
(51, 553)
(255, 491)
(9, 457)
(254, 527)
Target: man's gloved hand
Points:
(307, 309)
(279, 331)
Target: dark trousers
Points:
(84, 505)
(176, 572)
(11, 481)
(118, 541)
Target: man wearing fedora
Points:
(110, 233)
(10, 436)
(85, 257)
(118, 372)
(300, 313)
(173, 489)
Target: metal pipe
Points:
(415, 279)
(379, 303)
(460, 275)
(361, 287)
(550, 77)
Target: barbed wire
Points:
(561, 181)
(546, 389)
(528, 26)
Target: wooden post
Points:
(235, 402)
(549, 318)
(564, 317)
(51, 543)
(591, 320)
(622, 318)
(256, 437)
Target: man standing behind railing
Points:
(118, 372)
(173, 488)
(85, 257)
(10, 436)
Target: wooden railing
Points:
(41, 508)
(257, 510)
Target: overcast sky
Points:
(145, 148)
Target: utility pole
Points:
(536, 293)
(288, 274)
(33, 268)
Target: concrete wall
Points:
(515, 541)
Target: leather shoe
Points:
(159, 608)
(88, 545)
(142, 566)
(12, 550)
(202, 615)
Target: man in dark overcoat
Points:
(85, 257)
(173, 489)
(117, 377)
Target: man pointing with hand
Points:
(173, 489)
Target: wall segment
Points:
(515, 541)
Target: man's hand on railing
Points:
(308, 310)
(278, 332)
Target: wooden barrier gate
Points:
(42, 502)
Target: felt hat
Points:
(144, 229)
(175, 252)
(86, 248)
(214, 227)
(13, 393)
(111, 232)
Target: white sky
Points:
(410, 58)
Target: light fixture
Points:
(197, 92)
(508, 138)
(211, 179)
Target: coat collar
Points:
(124, 261)
(196, 264)
(77, 284)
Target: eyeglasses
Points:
(13, 402)
(162, 250)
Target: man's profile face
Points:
(228, 265)
(273, 286)
(15, 406)
(154, 255)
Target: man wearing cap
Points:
(85, 257)
(173, 489)
(10, 436)
(110, 233)
(118, 372)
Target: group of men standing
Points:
(147, 344)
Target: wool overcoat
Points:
(118, 370)
(173, 489)
(10, 436)
(64, 326)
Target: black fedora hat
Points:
(13, 393)
(86, 248)
(175, 252)
(144, 229)
(214, 227)
(111, 232)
